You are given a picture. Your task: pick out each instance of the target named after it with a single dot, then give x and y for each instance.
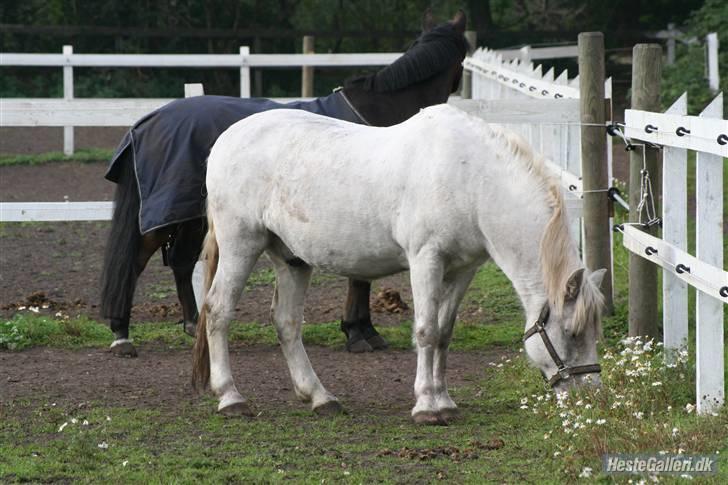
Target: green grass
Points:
(83, 155)
(192, 444)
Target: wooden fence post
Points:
(307, 71)
(244, 72)
(466, 92)
(646, 72)
(594, 169)
(68, 138)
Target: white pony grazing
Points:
(437, 195)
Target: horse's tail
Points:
(118, 277)
(201, 351)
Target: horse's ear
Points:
(573, 285)
(597, 277)
(459, 21)
(428, 21)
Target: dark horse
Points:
(160, 171)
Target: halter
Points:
(564, 372)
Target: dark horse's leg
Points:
(148, 245)
(183, 255)
(357, 322)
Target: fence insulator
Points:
(532, 88)
(618, 228)
(722, 139)
(681, 268)
(723, 292)
(544, 93)
(572, 188)
(649, 251)
(522, 85)
(650, 128)
(557, 95)
(515, 81)
(682, 131)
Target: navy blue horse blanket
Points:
(169, 149)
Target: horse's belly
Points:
(341, 247)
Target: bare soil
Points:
(378, 383)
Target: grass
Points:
(499, 439)
(84, 155)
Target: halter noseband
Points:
(564, 372)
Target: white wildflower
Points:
(125, 462)
(587, 406)
(689, 408)
(103, 445)
(74, 420)
(656, 384)
(556, 453)
(675, 431)
(524, 407)
(524, 400)
(638, 414)
(601, 421)
(85, 422)
(34, 309)
(686, 476)
(60, 428)
(347, 472)
(586, 472)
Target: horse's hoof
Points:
(190, 328)
(377, 342)
(329, 408)
(236, 409)
(431, 418)
(449, 414)
(123, 349)
(359, 347)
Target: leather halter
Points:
(564, 372)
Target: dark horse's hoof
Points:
(377, 342)
(190, 328)
(358, 347)
(124, 349)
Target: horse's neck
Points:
(391, 108)
(513, 225)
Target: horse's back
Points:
(317, 182)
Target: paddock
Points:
(49, 274)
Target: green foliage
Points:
(689, 71)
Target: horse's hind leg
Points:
(237, 258)
(183, 255)
(453, 290)
(287, 314)
(148, 245)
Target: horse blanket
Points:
(169, 149)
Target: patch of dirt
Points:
(377, 382)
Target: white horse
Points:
(437, 195)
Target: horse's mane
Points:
(558, 253)
(433, 52)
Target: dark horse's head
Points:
(427, 73)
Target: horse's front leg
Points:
(183, 255)
(426, 274)
(361, 336)
(148, 245)
(454, 287)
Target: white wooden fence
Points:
(707, 135)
